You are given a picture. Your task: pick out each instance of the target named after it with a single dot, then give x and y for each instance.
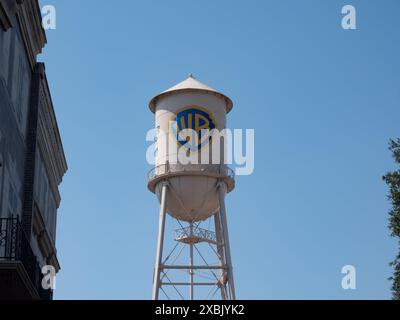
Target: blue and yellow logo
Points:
(197, 119)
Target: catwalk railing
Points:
(199, 233)
(15, 246)
(216, 170)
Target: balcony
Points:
(192, 235)
(20, 272)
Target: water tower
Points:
(192, 193)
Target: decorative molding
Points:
(49, 139)
(45, 243)
(30, 23)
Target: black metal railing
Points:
(15, 246)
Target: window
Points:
(4, 54)
(12, 200)
(5, 12)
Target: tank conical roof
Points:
(191, 84)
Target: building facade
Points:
(32, 160)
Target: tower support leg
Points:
(221, 253)
(160, 242)
(224, 222)
(191, 271)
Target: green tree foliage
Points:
(392, 179)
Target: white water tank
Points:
(192, 194)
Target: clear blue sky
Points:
(323, 101)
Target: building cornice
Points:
(30, 22)
(49, 139)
